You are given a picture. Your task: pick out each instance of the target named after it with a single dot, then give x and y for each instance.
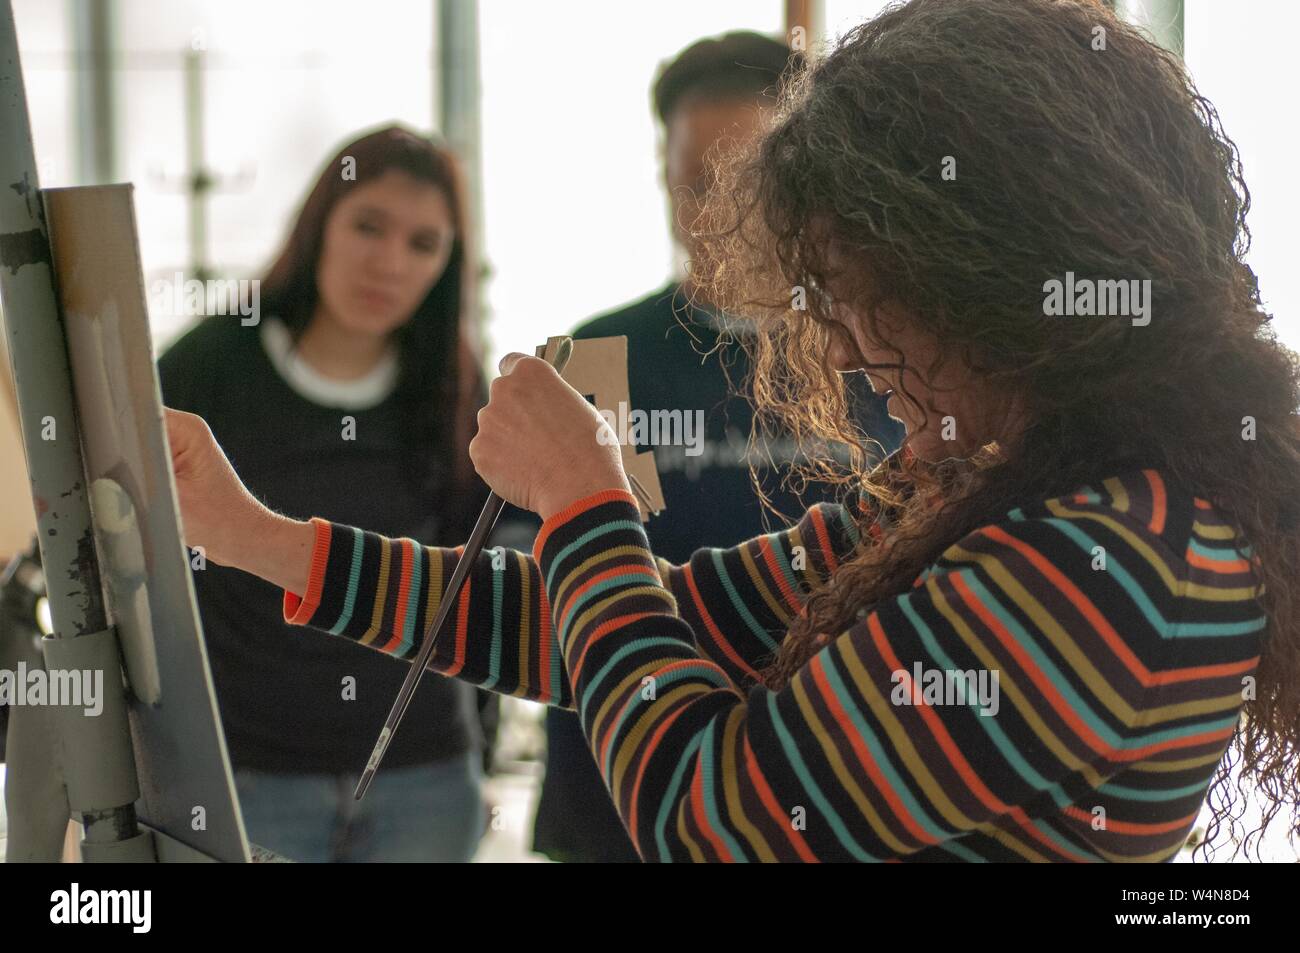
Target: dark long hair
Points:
(440, 382)
(1104, 161)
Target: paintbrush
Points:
(473, 546)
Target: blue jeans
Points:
(426, 813)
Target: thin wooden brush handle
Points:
(473, 546)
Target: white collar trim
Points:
(361, 393)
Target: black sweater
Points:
(281, 692)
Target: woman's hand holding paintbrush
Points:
(533, 420)
(539, 443)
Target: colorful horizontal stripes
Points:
(1089, 653)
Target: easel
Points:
(95, 755)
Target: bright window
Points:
(576, 215)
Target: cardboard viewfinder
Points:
(597, 369)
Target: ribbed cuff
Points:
(575, 509)
(298, 610)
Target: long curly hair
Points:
(1077, 144)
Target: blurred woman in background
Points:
(360, 375)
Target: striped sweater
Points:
(1059, 685)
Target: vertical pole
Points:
(38, 356)
(96, 93)
(805, 16)
(457, 68)
(1163, 18)
(197, 177)
(39, 360)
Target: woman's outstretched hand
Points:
(540, 444)
(220, 515)
(216, 509)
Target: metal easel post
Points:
(99, 767)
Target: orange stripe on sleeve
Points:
(824, 538)
(714, 632)
(299, 610)
(697, 811)
(1159, 501)
(576, 508)
(403, 593)
(769, 557)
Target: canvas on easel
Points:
(17, 519)
(186, 788)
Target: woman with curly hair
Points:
(1037, 631)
